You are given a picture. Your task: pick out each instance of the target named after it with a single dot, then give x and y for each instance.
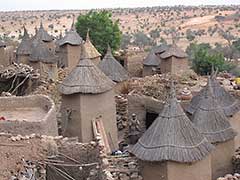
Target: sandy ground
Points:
(33, 114)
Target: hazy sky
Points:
(10, 5)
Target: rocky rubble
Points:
(122, 111)
(236, 161)
(123, 168)
(236, 176)
(157, 85)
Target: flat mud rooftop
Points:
(30, 114)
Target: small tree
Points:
(102, 29)
(202, 59)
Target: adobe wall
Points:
(166, 65)
(72, 127)
(62, 56)
(135, 63)
(47, 126)
(179, 65)
(147, 71)
(235, 123)
(51, 46)
(85, 108)
(140, 105)
(73, 56)
(200, 170)
(222, 159)
(99, 105)
(155, 171)
(22, 59)
(4, 60)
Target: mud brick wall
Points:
(47, 126)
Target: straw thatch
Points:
(112, 68)
(71, 37)
(172, 137)
(41, 53)
(175, 51)
(86, 78)
(43, 35)
(226, 101)
(25, 46)
(210, 119)
(92, 51)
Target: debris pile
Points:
(18, 70)
(236, 176)
(18, 79)
(236, 161)
(157, 85)
(123, 168)
(122, 111)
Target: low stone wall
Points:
(47, 126)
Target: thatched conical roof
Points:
(175, 51)
(40, 52)
(112, 68)
(152, 59)
(226, 101)
(25, 46)
(43, 35)
(210, 119)
(86, 78)
(172, 137)
(71, 37)
(92, 51)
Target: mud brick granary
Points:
(173, 148)
(211, 121)
(87, 94)
(24, 48)
(70, 48)
(152, 62)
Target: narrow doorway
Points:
(150, 117)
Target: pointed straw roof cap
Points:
(112, 68)
(226, 101)
(86, 78)
(210, 119)
(43, 35)
(93, 52)
(24, 48)
(172, 137)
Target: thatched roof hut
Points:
(43, 35)
(173, 50)
(172, 137)
(112, 68)
(71, 37)
(226, 101)
(25, 46)
(92, 51)
(210, 119)
(86, 78)
(41, 53)
(152, 59)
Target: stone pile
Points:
(236, 176)
(236, 161)
(123, 168)
(122, 111)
